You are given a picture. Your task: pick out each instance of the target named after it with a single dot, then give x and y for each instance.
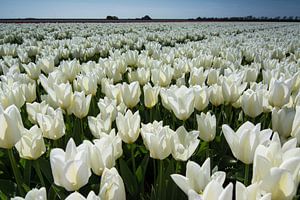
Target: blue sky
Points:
(154, 8)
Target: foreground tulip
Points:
(70, 169)
(213, 191)
(285, 157)
(252, 192)
(86, 83)
(252, 104)
(279, 182)
(128, 126)
(31, 145)
(112, 185)
(157, 139)
(32, 70)
(80, 104)
(206, 126)
(197, 177)
(78, 196)
(11, 126)
(184, 143)
(131, 94)
(232, 90)
(34, 194)
(245, 140)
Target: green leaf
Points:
(128, 178)
(46, 169)
(8, 187)
(141, 170)
(56, 191)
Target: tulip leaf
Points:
(142, 168)
(8, 187)
(128, 178)
(46, 169)
(56, 191)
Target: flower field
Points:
(206, 111)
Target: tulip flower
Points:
(34, 108)
(157, 139)
(128, 126)
(201, 97)
(213, 190)
(131, 94)
(279, 182)
(206, 126)
(108, 107)
(70, 69)
(70, 169)
(77, 196)
(216, 97)
(11, 126)
(99, 125)
(86, 83)
(181, 101)
(212, 76)
(197, 177)
(150, 95)
(274, 155)
(142, 75)
(252, 103)
(232, 90)
(296, 125)
(32, 70)
(62, 95)
(162, 76)
(282, 121)
(279, 94)
(29, 91)
(245, 140)
(46, 65)
(112, 185)
(52, 123)
(33, 194)
(197, 76)
(31, 145)
(184, 143)
(252, 192)
(80, 104)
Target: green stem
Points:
(132, 158)
(38, 171)
(246, 174)
(160, 186)
(16, 171)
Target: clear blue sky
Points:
(154, 8)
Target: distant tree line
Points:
(250, 18)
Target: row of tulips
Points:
(80, 122)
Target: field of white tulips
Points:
(206, 111)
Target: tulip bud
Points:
(279, 94)
(34, 194)
(201, 97)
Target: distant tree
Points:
(146, 17)
(112, 17)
